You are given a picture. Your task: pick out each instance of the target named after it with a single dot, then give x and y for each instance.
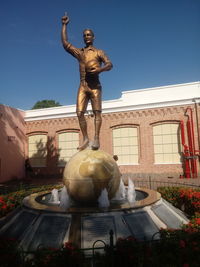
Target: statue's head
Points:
(88, 36)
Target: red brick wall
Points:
(143, 119)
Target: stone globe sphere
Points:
(88, 172)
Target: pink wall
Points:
(12, 143)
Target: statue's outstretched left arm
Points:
(107, 64)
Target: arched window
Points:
(125, 145)
(67, 146)
(37, 150)
(167, 147)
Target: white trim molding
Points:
(156, 97)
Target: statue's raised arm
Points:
(64, 37)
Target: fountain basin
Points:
(42, 224)
(39, 201)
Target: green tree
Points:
(46, 104)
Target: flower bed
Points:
(67, 255)
(186, 199)
(10, 201)
(175, 248)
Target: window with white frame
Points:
(167, 147)
(67, 146)
(125, 145)
(37, 150)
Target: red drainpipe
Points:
(186, 154)
(191, 142)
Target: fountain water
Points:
(103, 199)
(124, 194)
(121, 192)
(54, 199)
(131, 195)
(65, 200)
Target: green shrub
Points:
(186, 199)
(10, 201)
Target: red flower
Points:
(68, 245)
(197, 220)
(2, 200)
(182, 244)
(131, 238)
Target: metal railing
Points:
(149, 182)
(107, 257)
(23, 257)
(154, 184)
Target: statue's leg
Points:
(81, 105)
(97, 125)
(83, 127)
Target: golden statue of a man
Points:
(92, 61)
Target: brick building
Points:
(142, 128)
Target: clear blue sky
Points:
(150, 42)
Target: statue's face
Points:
(88, 37)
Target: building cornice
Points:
(148, 98)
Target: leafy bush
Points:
(175, 248)
(9, 253)
(10, 201)
(186, 199)
(68, 255)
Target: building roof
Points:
(156, 97)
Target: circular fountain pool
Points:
(39, 222)
(41, 201)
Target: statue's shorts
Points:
(85, 93)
